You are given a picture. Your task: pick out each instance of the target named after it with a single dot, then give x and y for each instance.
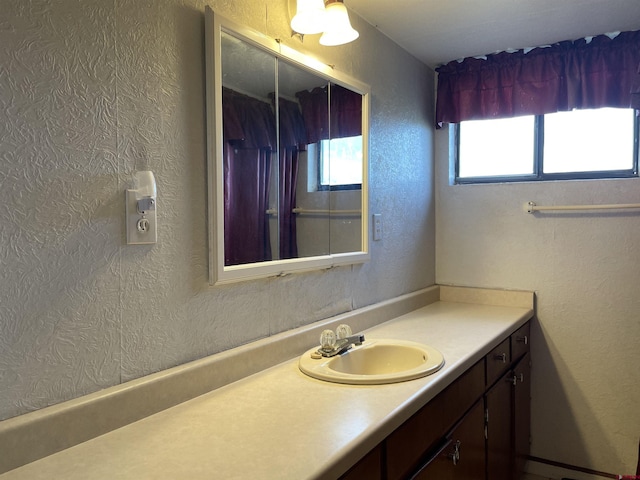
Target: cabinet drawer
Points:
(498, 361)
(520, 341)
(408, 443)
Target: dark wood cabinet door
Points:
(499, 429)
(522, 414)
(464, 456)
(369, 467)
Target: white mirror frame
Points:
(218, 272)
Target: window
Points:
(601, 143)
(340, 163)
(496, 147)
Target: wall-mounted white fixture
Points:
(142, 221)
(329, 17)
(532, 207)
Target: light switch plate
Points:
(377, 226)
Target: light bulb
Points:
(309, 17)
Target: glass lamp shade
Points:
(338, 29)
(309, 17)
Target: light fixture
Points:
(309, 17)
(329, 17)
(338, 28)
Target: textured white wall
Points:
(585, 268)
(93, 90)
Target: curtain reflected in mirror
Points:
(292, 144)
(249, 142)
(333, 117)
(310, 239)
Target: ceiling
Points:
(438, 31)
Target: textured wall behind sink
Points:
(94, 90)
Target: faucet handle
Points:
(343, 331)
(327, 340)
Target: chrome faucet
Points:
(332, 344)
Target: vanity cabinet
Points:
(522, 414)
(477, 428)
(498, 411)
(498, 415)
(507, 413)
(521, 398)
(463, 454)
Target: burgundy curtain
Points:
(344, 107)
(345, 112)
(635, 100)
(249, 140)
(293, 139)
(567, 75)
(315, 112)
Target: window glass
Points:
(598, 143)
(496, 147)
(588, 140)
(341, 161)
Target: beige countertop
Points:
(279, 423)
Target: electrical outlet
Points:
(377, 226)
(141, 228)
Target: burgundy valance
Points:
(568, 75)
(247, 121)
(345, 111)
(291, 123)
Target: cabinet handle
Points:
(501, 356)
(513, 380)
(521, 377)
(524, 339)
(455, 456)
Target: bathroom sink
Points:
(374, 362)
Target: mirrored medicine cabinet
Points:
(287, 159)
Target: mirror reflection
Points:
(249, 142)
(291, 164)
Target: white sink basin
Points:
(374, 362)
